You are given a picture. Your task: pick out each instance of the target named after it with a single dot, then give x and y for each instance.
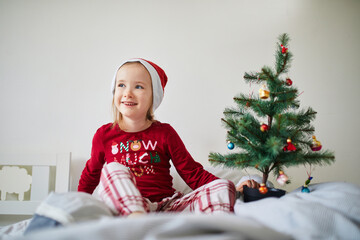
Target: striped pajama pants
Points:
(118, 190)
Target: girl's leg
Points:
(217, 196)
(118, 190)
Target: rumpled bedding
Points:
(330, 211)
(162, 226)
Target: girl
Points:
(130, 157)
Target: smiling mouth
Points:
(129, 104)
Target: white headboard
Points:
(39, 180)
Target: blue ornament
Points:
(305, 189)
(230, 146)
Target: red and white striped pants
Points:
(118, 190)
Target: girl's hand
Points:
(249, 183)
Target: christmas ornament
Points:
(230, 145)
(282, 178)
(308, 180)
(290, 147)
(264, 127)
(264, 93)
(248, 104)
(283, 49)
(263, 189)
(305, 188)
(288, 82)
(316, 145)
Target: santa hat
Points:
(158, 79)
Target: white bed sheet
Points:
(162, 226)
(330, 211)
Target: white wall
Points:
(57, 59)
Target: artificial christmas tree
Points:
(269, 129)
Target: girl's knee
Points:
(224, 188)
(224, 183)
(116, 170)
(116, 166)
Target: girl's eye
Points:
(139, 87)
(121, 85)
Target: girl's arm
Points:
(90, 176)
(191, 171)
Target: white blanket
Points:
(330, 211)
(162, 226)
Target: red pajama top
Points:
(147, 154)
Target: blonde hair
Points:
(117, 116)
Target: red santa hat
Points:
(158, 79)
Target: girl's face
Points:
(133, 91)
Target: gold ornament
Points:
(264, 93)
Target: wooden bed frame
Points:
(40, 179)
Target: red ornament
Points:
(263, 189)
(283, 49)
(288, 82)
(315, 149)
(264, 127)
(290, 147)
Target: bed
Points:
(31, 173)
(330, 211)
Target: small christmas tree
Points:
(269, 129)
